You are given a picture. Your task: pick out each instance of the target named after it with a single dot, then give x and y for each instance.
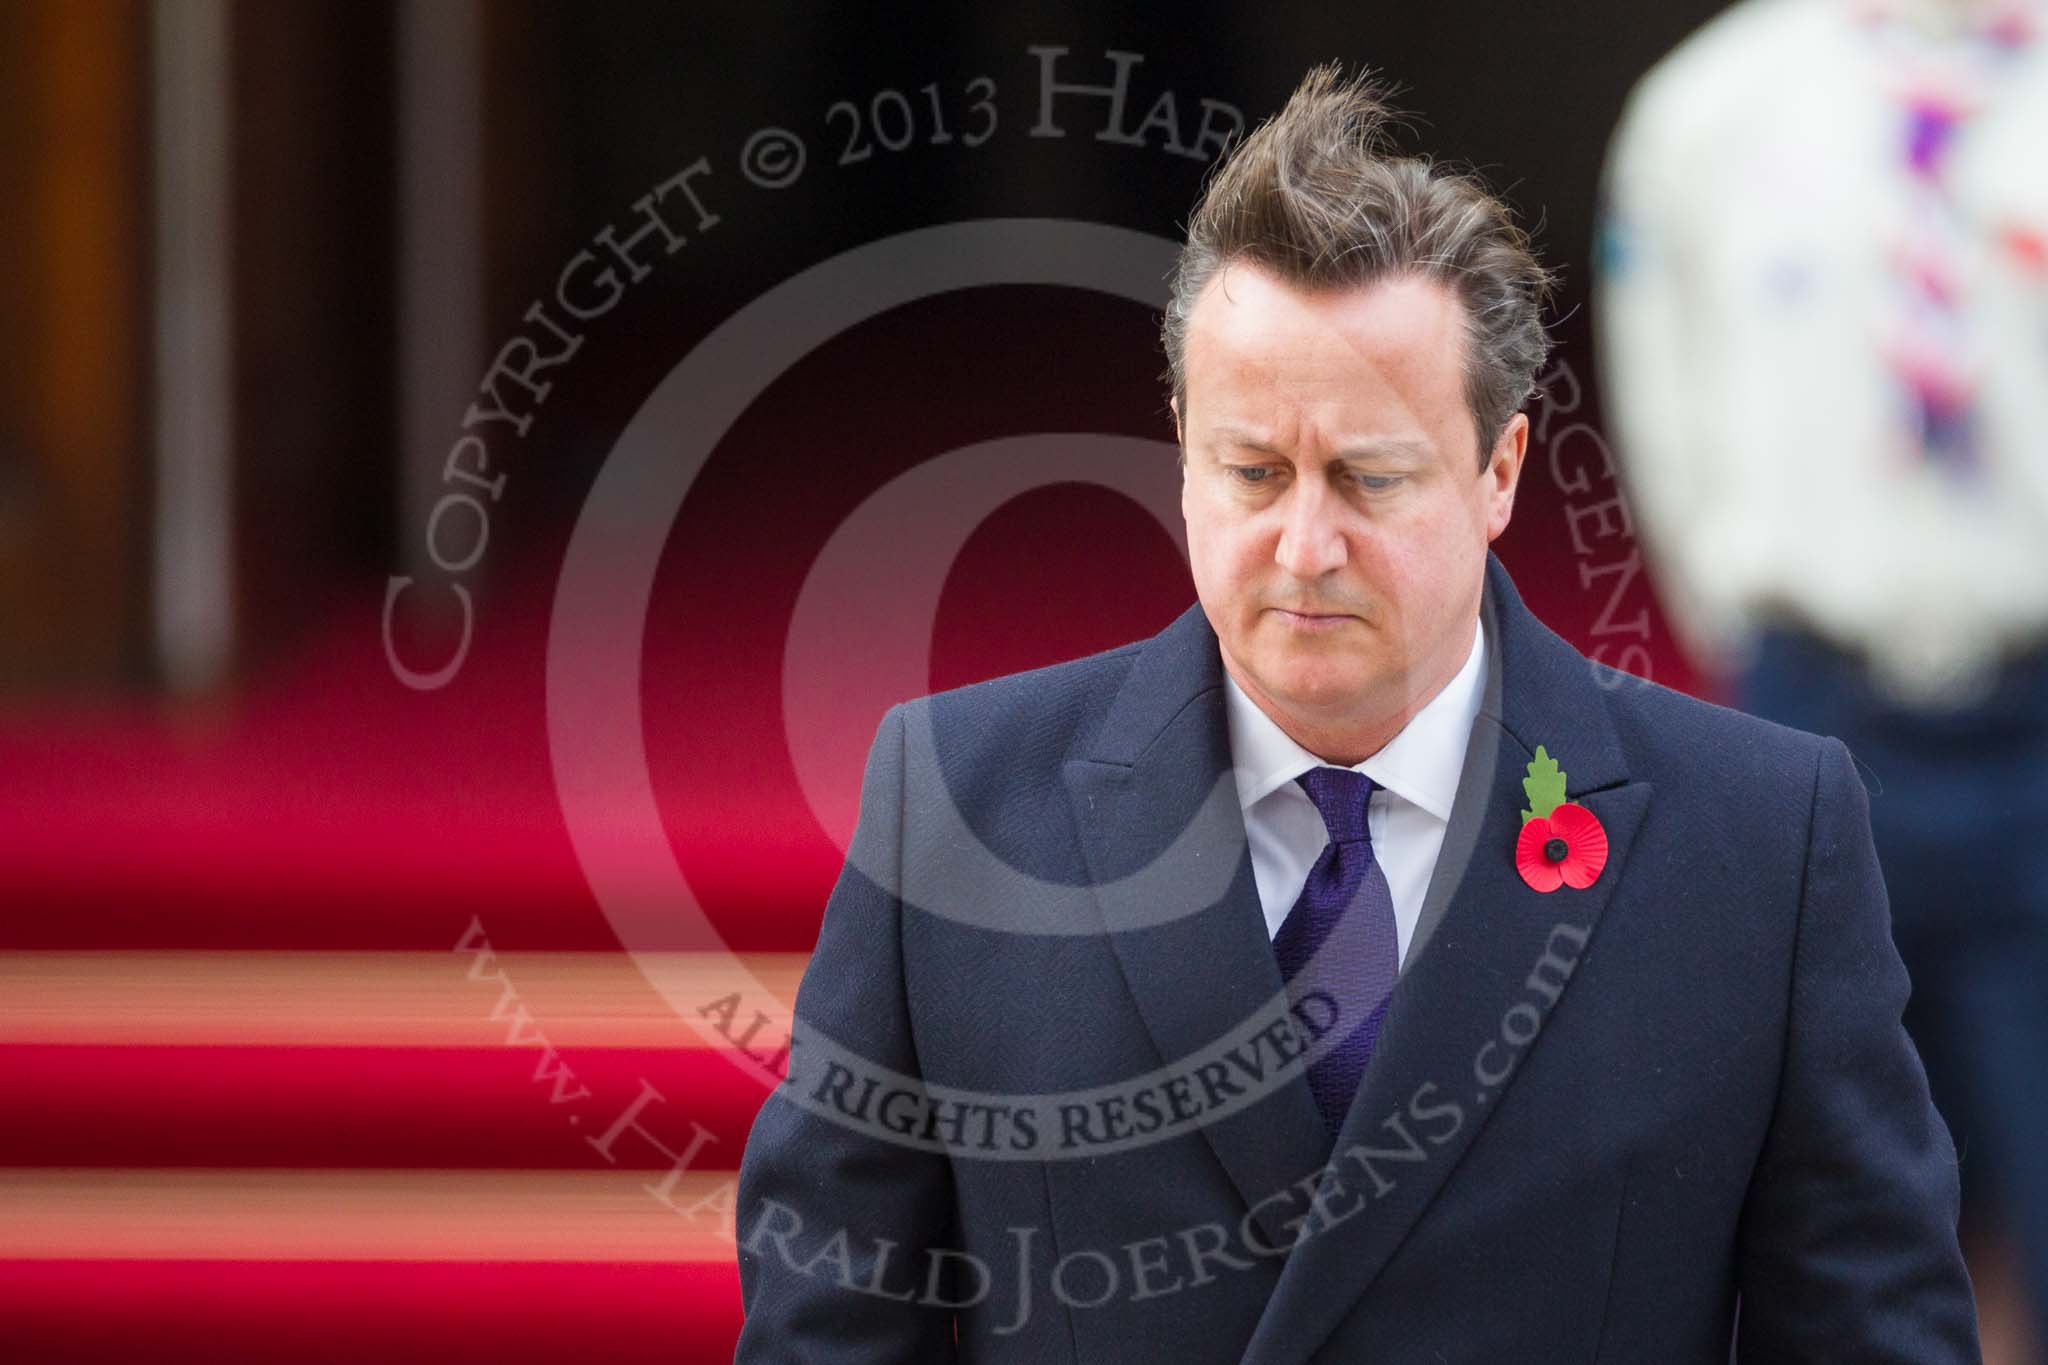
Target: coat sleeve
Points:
(824, 1212)
(1847, 1248)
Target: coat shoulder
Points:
(1025, 721)
(1685, 744)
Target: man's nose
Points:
(1311, 530)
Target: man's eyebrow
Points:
(1251, 439)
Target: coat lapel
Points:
(1159, 778)
(1494, 946)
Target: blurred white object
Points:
(1822, 310)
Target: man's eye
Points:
(1244, 473)
(1379, 483)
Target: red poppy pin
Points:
(1562, 843)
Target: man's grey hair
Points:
(1315, 197)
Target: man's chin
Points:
(1316, 692)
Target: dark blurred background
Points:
(268, 1100)
(347, 207)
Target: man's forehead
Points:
(1401, 335)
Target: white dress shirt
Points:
(1765, 243)
(1417, 777)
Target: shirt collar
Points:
(1420, 764)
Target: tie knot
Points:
(1340, 795)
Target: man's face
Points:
(1337, 514)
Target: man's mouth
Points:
(1312, 620)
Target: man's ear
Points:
(1178, 435)
(1505, 471)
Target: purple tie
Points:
(1344, 920)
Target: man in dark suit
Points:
(1352, 971)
